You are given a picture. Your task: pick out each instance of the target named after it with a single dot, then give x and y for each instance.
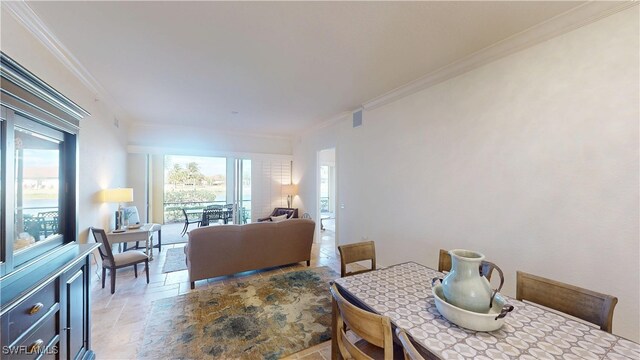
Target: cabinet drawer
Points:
(32, 309)
(37, 340)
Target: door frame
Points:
(336, 201)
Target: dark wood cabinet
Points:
(75, 332)
(44, 272)
(45, 312)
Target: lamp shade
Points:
(290, 189)
(119, 195)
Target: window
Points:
(193, 183)
(37, 186)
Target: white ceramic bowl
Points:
(469, 319)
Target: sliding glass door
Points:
(193, 183)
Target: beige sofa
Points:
(228, 249)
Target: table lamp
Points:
(291, 190)
(119, 196)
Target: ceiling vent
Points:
(357, 118)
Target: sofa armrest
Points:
(268, 218)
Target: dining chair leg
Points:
(135, 270)
(104, 275)
(184, 229)
(146, 269)
(113, 280)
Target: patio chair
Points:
(213, 213)
(188, 222)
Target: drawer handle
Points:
(35, 347)
(35, 308)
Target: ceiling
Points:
(272, 68)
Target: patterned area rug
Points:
(175, 260)
(258, 319)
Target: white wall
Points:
(183, 140)
(102, 146)
(137, 178)
(531, 159)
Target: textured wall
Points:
(531, 159)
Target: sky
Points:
(208, 165)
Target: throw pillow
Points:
(279, 218)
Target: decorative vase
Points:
(464, 287)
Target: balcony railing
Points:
(173, 210)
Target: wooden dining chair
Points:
(410, 352)
(374, 331)
(582, 303)
(444, 264)
(113, 261)
(444, 261)
(352, 253)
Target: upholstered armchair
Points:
(290, 212)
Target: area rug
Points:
(175, 260)
(263, 318)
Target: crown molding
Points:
(162, 150)
(23, 13)
(220, 132)
(325, 123)
(575, 18)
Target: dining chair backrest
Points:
(101, 237)
(211, 214)
(410, 352)
(352, 253)
(591, 306)
(444, 261)
(444, 264)
(372, 328)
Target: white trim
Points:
(577, 17)
(221, 132)
(23, 13)
(161, 150)
(326, 123)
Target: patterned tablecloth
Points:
(403, 293)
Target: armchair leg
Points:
(113, 280)
(135, 270)
(159, 241)
(308, 262)
(193, 285)
(146, 269)
(104, 275)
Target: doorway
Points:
(327, 199)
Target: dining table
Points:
(403, 292)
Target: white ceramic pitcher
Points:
(464, 286)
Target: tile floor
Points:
(118, 320)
